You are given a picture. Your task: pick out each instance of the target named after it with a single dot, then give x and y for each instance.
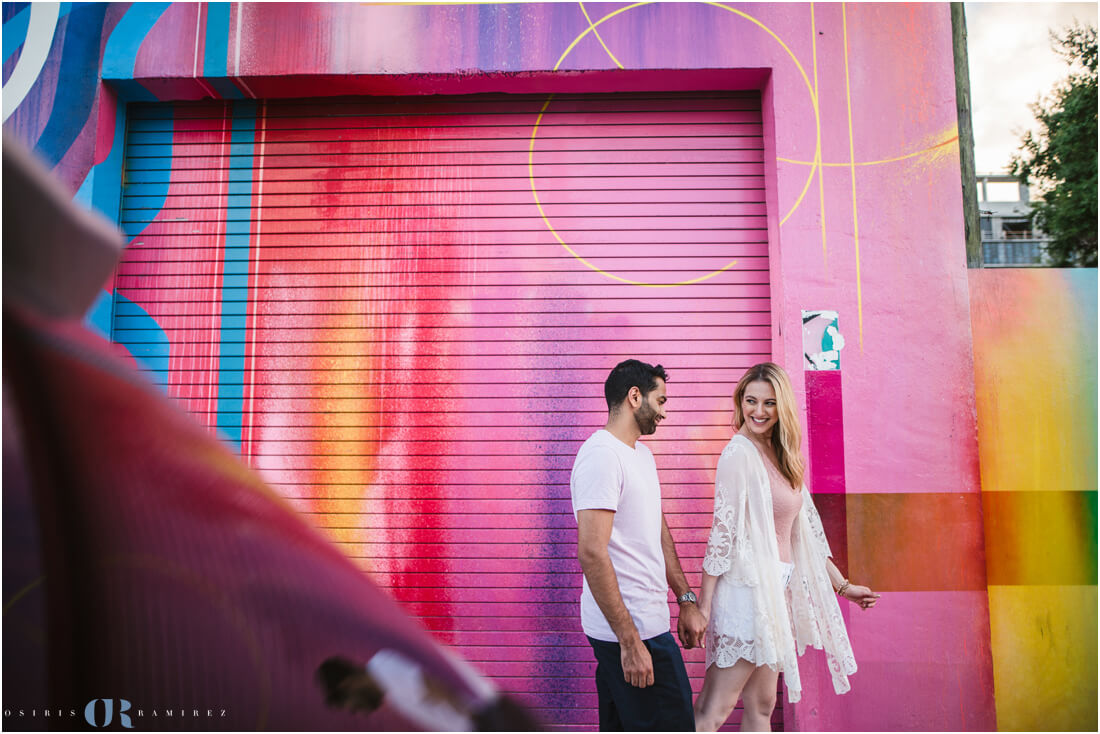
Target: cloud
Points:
(1012, 64)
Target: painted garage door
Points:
(401, 311)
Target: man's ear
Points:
(635, 397)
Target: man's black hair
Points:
(631, 373)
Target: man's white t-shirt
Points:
(610, 475)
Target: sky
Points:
(1011, 65)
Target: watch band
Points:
(687, 596)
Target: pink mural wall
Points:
(859, 213)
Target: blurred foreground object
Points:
(151, 580)
(390, 678)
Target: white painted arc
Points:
(36, 47)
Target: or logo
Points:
(91, 712)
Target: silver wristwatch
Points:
(687, 596)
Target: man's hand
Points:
(637, 664)
(691, 626)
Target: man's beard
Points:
(646, 418)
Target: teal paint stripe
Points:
(235, 263)
(139, 138)
(216, 52)
(120, 53)
(83, 195)
(215, 60)
(149, 345)
(152, 351)
(163, 157)
(98, 318)
(102, 188)
(148, 177)
(1081, 288)
(107, 194)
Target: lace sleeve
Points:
(815, 611)
(729, 540)
(720, 544)
(819, 544)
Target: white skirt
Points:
(731, 628)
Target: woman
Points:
(768, 582)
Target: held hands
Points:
(637, 664)
(692, 626)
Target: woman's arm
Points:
(816, 537)
(852, 592)
(836, 578)
(706, 594)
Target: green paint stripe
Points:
(1040, 538)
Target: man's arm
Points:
(593, 534)
(692, 626)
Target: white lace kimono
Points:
(743, 550)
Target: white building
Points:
(1008, 239)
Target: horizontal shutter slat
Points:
(364, 294)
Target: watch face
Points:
(688, 597)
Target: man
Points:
(629, 562)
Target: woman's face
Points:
(758, 406)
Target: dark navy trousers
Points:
(664, 706)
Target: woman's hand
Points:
(861, 595)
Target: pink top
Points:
(786, 503)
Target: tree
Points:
(1061, 157)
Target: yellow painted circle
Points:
(815, 166)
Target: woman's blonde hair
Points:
(787, 438)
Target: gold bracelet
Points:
(843, 588)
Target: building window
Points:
(1020, 230)
(1002, 191)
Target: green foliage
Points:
(1062, 157)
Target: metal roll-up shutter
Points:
(401, 312)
